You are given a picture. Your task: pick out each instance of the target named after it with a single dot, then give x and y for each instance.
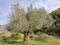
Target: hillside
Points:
(55, 28)
(56, 13)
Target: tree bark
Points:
(26, 36)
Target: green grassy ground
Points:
(32, 41)
(19, 41)
(47, 42)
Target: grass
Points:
(47, 42)
(32, 41)
(52, 41)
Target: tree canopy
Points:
(21, 21)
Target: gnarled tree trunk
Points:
(26, 36)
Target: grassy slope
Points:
(51, 41)
(48, 42)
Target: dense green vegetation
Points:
(55, 28)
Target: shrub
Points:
(42, 37)
(39, 37)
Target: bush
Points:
(42, 37)
(17, 36)
(39, 37)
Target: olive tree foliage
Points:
(38, 18)
(18, 22)
(21, 21)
